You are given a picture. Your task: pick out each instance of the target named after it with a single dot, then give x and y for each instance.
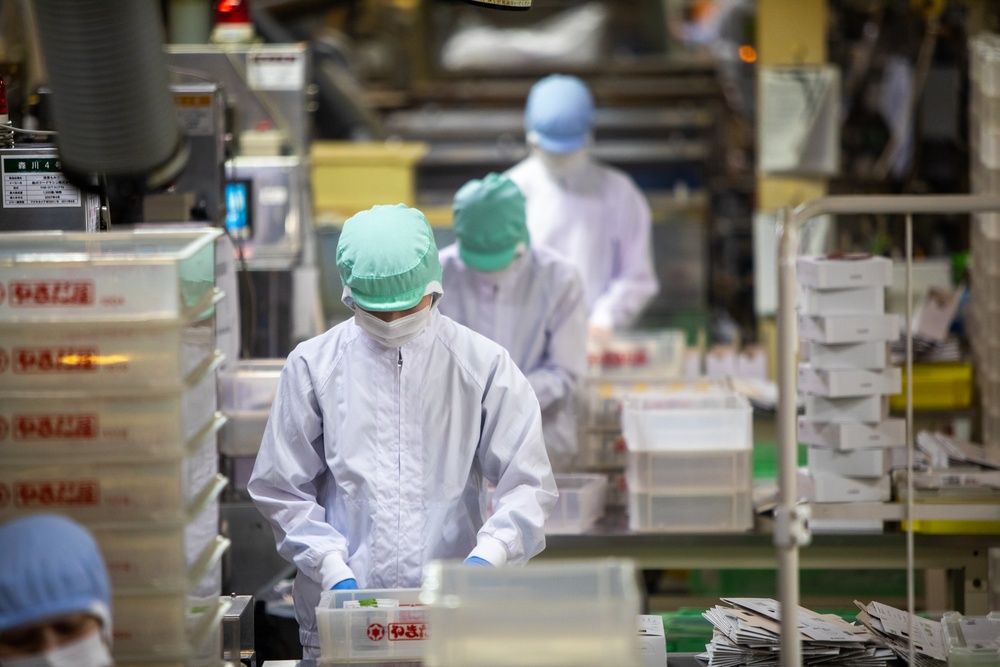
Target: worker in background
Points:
(530, 300)
(55, 600)
(383, 429)
(590, 212)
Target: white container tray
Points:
(159, 627)
(686, 421)
(840, 489)
(101, 491)
(580, 504)
(853, 435)
(368, 634)
(867, 409)
(850, 382)
(724, 471)
(873, 355)
(820, 272)
(603, 397)
(870, 463)
(971, 641)
(246, 400)
(580, 613)
(133, 423)
(103, 355)
(601, 449)
(150, 274)
(730, 512)
(658, 354)
(848, 328)
(842, 301)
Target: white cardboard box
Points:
(840, 526)
(849, 436)
(873, 354)
(652, 641)
(840, 489)
(869, 409)
(820, 272)
(852, 301)
(848, 328)
(870, 463)
(849, 382)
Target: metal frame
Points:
(791, 531)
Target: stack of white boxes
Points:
(846, 376)
(108, 402)
(984, 310)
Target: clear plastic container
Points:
(103, 355)
(580, 613)
(686, 421)
(246, 400)
(654, 512)
(601, 449)
(152, 628)
(603, 397)
(146, 274)
(112, 490)
(671, 472)
(118, 423)
(580, 504)
(372, 634)
(658, 354)
(971, 641)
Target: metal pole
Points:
(787, 541)
(910, 583)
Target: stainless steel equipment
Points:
(237, 632)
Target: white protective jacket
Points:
(536, 310)
(373, 460)
(596, 217)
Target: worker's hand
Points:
(345, 585)
(476, 560)
(599, 336)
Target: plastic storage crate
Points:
(971, 641)
(687, 421)
(580, 613)
(603, 397)
(658, 354)
(246, 400)
(580, 504)
(154, 627)
(372, 634)
(673, 472)
(664, 512)
(601, 449)
(145, 274)
(122, 422)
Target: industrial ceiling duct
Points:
(112, 106)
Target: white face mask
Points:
(398, 332)
(91, 651)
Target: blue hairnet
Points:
(559, 113)
(50, 566)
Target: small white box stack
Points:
(846, 377)
(108, 415)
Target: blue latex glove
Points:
(476, 560)
(345, 585)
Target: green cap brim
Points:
(483, 261)
(384, 304)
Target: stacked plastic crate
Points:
(630, 362)
(846, 377)
(689, 461)
(108, 415)
(984, 309)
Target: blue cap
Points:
(559, 113)
(50, 566)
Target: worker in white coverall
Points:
(528, 299)
(591, 213)
(384, 428)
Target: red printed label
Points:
(407, 632)
(376, 632)
(4, 495)
(24, 293)
(56, 493)
(55, 427)
(31, 360)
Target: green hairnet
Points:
(387, 257)
(490, 222)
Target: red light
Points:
(3, 98)
(232, 11)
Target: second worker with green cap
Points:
(384, 428)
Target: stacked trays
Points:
(108, 415)
(846, 379)
(984, 309)
(628, 362)
(689, 462)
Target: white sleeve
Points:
(635, 283)
(512, 455)
(289, 470)
(565, 360)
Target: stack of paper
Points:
(892, 627)
(749, 633)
